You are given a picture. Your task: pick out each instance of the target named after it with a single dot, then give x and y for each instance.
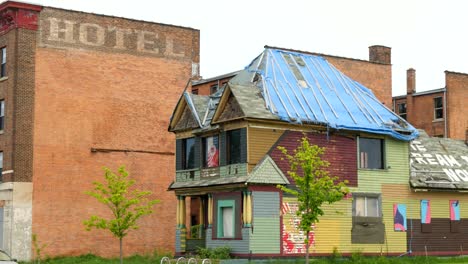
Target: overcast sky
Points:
(428, 35)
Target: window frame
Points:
(184, 154)
(3, 62)
(376, 196)
(382, 154)
(1, 166)
(440, 108)
(402, 114)
(2, 114)
(214, 88)
(229, 154)
(205, 152)
(220, 218)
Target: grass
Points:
(156, 259)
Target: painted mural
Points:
(292, 237)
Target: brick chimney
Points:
(380, 54)
(410, 81)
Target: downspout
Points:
(445, 113)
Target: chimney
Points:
(380, 54)
(410, 81)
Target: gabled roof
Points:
(438, 163)
(303, 88)
(267, 172)
(202, 108)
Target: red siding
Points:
(340, 152)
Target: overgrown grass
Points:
(156, 259)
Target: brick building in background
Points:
(440, 112)
(80, 91)
(363, 71)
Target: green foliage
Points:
(215, 253)
(37, 249)
(196, 231)
(314, 185)
(127, 205)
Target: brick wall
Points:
(340, 152)
(97, 89)
(457, 106)
(375, 76)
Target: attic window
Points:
(294, 69)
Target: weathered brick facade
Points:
(85, 91)
(421, 108)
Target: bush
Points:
(214, 253)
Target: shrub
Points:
(214, 253)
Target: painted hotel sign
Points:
(438, 162)
(85, 31)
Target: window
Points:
(188, 155)
(367, 222)
(211, 152)
(402, 110)
(194, 91)
(213, 88)
(366, 206)
(3, 72)
(438, 108)
(2, 114)
(1, 166)
(371, 154)
(226, 221)
(233, 146)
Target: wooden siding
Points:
(440, 238)
(259, 143)
(265, 236)
(238, 246)
(340, 152)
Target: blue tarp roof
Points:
(305, 88)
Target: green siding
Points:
(265, 237)
(396, 172)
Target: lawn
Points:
(156, 259)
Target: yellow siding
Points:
(260, 141)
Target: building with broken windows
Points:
(80, 91)
(228, 166)
(440, 112)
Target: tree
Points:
(313, 185)
(126, 203)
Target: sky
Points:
(430, 36)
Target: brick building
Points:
(440, 112)
(80, 91)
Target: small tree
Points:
(127, 205)
(314, 185)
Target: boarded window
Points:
(399, 217)
(454, 216)
(426, 216)
(371, 153)
(368, 226)
(233, 148)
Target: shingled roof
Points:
(438, 163)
